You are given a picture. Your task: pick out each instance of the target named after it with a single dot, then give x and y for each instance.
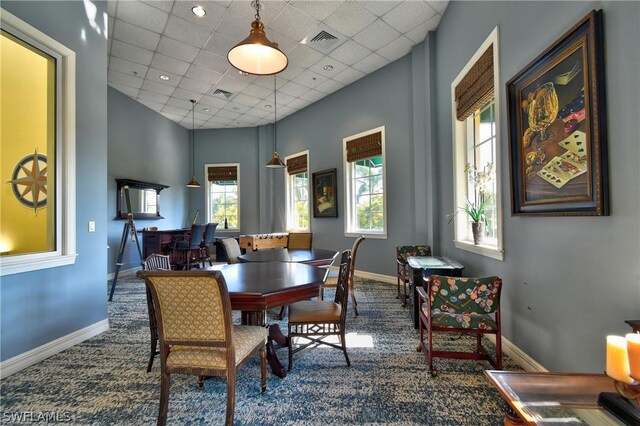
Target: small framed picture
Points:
(325, 193)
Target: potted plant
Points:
(480, 180)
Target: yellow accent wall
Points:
(27, 124)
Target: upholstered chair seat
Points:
(323, 310)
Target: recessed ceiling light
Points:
(268, 106)
(164, 77)
(328, 67)
(198, 11)
(236, 108)
(206, 109)
(243, 73)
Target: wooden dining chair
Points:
(331, 278)
(197, 334)
(154, 262)
(232, 250)
(207, 241)
(189, 250)
(300, 240)
(315, 320)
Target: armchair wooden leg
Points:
(263, 369)
(290, 345)
(152, 354)
(164, 398)
(344, 348)
(354, 302)
(231, 398)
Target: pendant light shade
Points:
(193, 183)
(276, 162)
(256, 54)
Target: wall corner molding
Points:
(33, 356)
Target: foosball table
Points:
(264, 241)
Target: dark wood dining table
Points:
(315, 257)
(256, 287)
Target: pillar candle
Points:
(618, 359)
(633, 348)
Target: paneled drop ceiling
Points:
(150, 41)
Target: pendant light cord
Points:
(193, 136)
(275, 109)
(257, 3)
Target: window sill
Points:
(376, 235)
(18, 265)
(487, 251)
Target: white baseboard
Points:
(33, 356)
(377, 277)
(124, 273)
(518, 355)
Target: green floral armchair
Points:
(402, 252)
(461, 305)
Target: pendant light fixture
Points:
(193, 183)
(256, 54)
(276, 162)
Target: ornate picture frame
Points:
(325, 193)
(557, 127)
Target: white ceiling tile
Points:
(304, 56)
(268, 10)
(220, 45)
(408, 15)
(350, 52)
(298, 103)
(313, 95)
(131, 53)
(283, 99)
(134, 35)
(142, 15)
(235, 107)
(176, 111)
(379, 8)
(219, 121)
(257, 91)
(309, 79)
(194, 85)
(173, 117)
(111, 8)
(127, 90)
(293, 89)
(258, 113)
(204, 75)
(152, 96)
(127, 67)
(230, 84)
(124, 79)
(165, 63)
(293, 23)
(153, 105)
(349, 75)
(396, 49)
(291, 71)
(184, 104)
(418, 34)
(213, 102)
(236, 27)
(350, 18)
(317, 9)
(177, 49)
(214, 12)
(227, 114)
(212, 61)
(376, 35)
(165, 5)
(330, 86)
(186, 94)
(161, 89)
(284, 43)
(336, 67)
(439, 5)
(371, 63)
(154, 75)
(187, 32)
(243, 99)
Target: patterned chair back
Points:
(232, 248)
(402, 252)
(191, 307)
(210, 233)
(156, 262)
(455, 295)
(342, 287)
(300, 240)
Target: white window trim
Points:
(349, 206)
(288, 200)
(65, 253)
(459, 157)
(207, 197)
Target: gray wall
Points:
(143, 145)
(569, 281)
(39, 307)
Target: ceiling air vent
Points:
(219, 93)
(324, 39)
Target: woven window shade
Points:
(364, 147)
(476, 87)
(222, 173)
(297, 164)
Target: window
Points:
(223, 195)
(476, 151)
(38, 150)
(365, 196)
(297, 187)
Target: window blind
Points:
(222, 173)
(476, 87)
(297, 164)
(364, 147)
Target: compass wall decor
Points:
(29, 181)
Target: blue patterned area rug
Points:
(103, 381)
